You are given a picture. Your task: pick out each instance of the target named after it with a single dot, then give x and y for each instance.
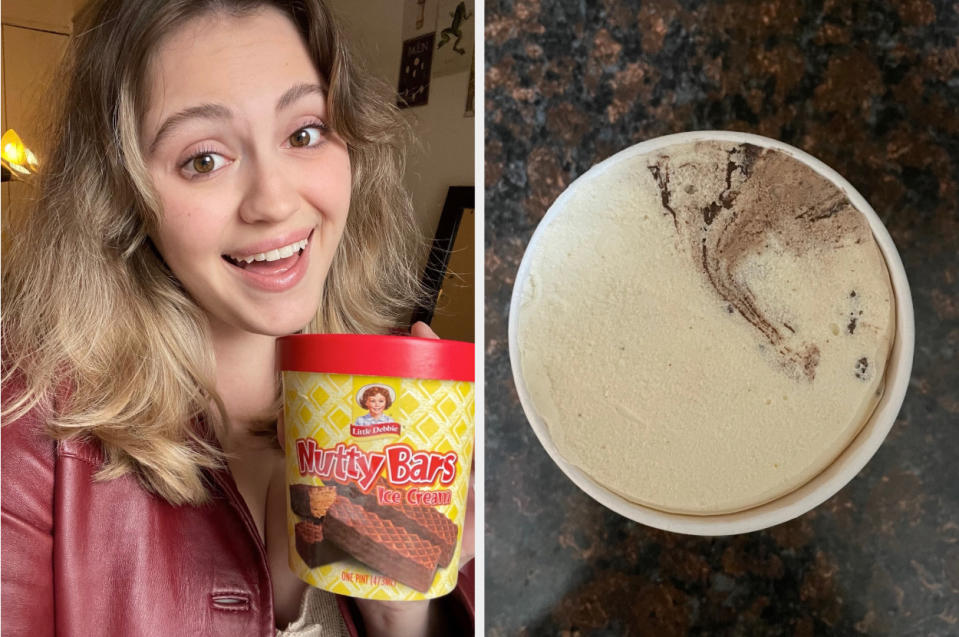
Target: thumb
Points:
(422, 330)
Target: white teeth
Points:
(273, 255)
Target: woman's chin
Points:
(282, 326)
(264, 319)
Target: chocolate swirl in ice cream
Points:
(727, 204)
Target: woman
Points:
(220, 174)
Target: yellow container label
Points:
(378, 469)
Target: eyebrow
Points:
(218, 111)
(297, 92)
(203, 111)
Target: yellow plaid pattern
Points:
(434, 415)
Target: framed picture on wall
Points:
(449, 275)
(454, 37)
(415, 65)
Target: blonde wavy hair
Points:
(98, 335)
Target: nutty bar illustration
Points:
(312, 547)
(380, 544)
(426, 522)
(418, 526)
(309, 501)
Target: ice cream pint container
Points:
(379, 442)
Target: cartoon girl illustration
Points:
(377, 399)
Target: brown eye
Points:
(203, 163)
(308, 136)
(300, 138)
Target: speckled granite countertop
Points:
(872, 89)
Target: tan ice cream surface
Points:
(705, 328)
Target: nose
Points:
(270, 196)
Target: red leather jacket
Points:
(108, 558)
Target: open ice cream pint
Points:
(379, 444)
(817, 487)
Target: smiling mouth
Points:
(271, 257)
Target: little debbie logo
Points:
(362, 431)
(376, 398)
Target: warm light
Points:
(13, 149)
(17, 157)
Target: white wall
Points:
(445, 154)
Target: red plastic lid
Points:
(374, 355)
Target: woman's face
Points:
(254, 188)
(376, 403)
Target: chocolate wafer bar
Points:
(426, 522)
(312, 547)
(381, 545)
(349, 489)
(310, 501)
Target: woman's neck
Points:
(245, 379)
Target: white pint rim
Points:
(834, 477)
